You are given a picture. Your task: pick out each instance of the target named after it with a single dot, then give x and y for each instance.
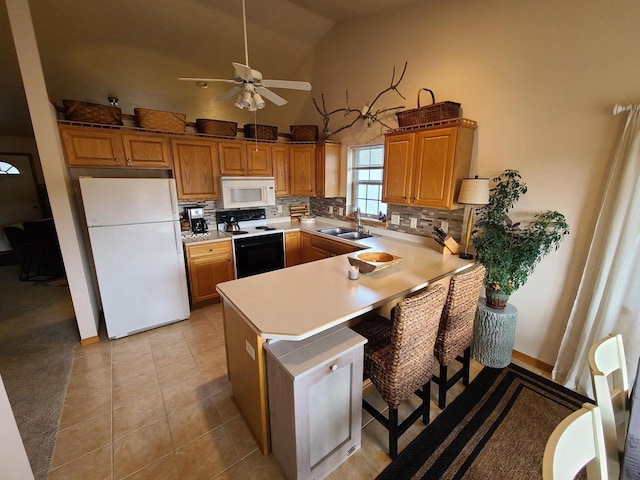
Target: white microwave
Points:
(245, 192)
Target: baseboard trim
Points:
(532, 361)
(89, 340)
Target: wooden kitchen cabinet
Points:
(143, 150)
(208, 264)
(112, 148)
(259, 159)
(232, 157)
(280, 161)
(245, 158)
(293, 248)
(315, 247)
(328, 169)
(425, 168)
(302, 168)
(196, 169)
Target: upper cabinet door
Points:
(280, 160)
(328, 170)
(146, 150)
(259, 159)
(233, 158)
(196, 169)
(91, 147)
(302, 167)
(433, 168)
(398, 168)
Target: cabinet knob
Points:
(334, 367)
(128, 160)
(116, 159)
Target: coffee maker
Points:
(196, 219)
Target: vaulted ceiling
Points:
(135, 50)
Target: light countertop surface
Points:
(296, 302)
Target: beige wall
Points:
(56, 175)
(539, 77)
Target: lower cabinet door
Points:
(315, 398)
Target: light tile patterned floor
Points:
(157, 405)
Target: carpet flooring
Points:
(496, 429)
(38, 334)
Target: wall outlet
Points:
(330, 209)
(250, 350)
(279, 208)
(413, 223)
(340, 211)
(395, 219)
(444, 226)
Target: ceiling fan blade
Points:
(242, 72)
(228, 94)
(269, 95)
(225, 80)
(290, 84)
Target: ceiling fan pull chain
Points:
(255, 122)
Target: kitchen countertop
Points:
(297, 302)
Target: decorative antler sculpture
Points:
(365, 113)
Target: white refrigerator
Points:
(134, 229)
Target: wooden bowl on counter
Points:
(371, 261)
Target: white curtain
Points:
(608, 299)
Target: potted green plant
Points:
(510, 251)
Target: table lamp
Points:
(473, 191)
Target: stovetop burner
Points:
(238, 232)
(265, 227)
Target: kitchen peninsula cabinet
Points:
(328, 169)
(208, 264)
(280, 161)
(297, 303)
(293, 248)
(196, 169)
(107, 148)
(425, 167)
(315, 247)
(302, 165)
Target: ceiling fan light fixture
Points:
(238, 102)
(246, 98)
(258, 100)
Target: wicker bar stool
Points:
(455, 332)
(399, 357)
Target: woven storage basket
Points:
(304, 133)
(91, 112)
(220, 128)
(159, 120)
(264, 132)
(430, 113)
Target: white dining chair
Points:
(576, 442)
(611, 389)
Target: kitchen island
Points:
(300, 301)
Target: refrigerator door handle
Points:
(174, 198)
(178, 237)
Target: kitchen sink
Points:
(354, 235)
(336, 231)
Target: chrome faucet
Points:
(359, 225)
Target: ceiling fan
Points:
(251, 88)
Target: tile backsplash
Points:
(426, 218)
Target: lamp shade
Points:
(474, 191)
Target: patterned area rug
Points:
(496, 429)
